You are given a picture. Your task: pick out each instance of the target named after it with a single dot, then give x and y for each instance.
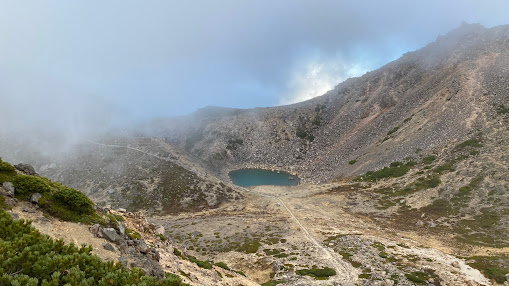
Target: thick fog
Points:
(74, 68)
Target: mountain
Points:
(404, 174)
(429, 98)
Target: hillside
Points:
(404, 175)
(427, 100)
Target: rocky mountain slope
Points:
(433, 97)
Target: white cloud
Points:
(317, 77)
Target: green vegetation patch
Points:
(250, 246)
(132, 234)
(393, 131)
(396, 169)
(501, 110)
(223, 265)
(427, 183)
(495, 268)
(301, 133)
(439, 208)
(418, 277)
(352, 162)
(200, 263)
(475, 143)
(28, 257)
(447, 167)
(317, 273)
(429, 159)
(234, 144)
(57, 199)
(27, 185)
(7, 172)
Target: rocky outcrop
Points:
(8, 189)
(26, 168)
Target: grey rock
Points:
(34, 199)
(14, 215)
(26, 168)
(121, 228)
(276, 266)
(110, 234)
(28, 210)
(155, 254)
(419, 223)
(123, 260)
(507, 277)
(122, 210)
(111, 191)
(9, 189)
(160, 230)
(455, 264)
(96, 230)
(108, 246)
(141, 246)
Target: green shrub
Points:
(162, 237)
(418, 277)
(318, 273)
(6, 167)
(132, 234)
(427, 183)
(447, 167)
(429, 159)
(352, 162)
(223, 265)
(250, 246)
(301, 133)
(28, 257)
(177, 252)
(469, 143)
(74, 200)
(200, 263)
(27, 185)
(397, 169)
(393, 130)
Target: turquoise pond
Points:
(260, 177)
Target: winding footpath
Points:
(346, 274)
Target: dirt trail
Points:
(189, 165)
(346, 273)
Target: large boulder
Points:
(110, 234)
(108, 246)
(26, 168)
(8, 189)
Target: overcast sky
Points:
(75, 64)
